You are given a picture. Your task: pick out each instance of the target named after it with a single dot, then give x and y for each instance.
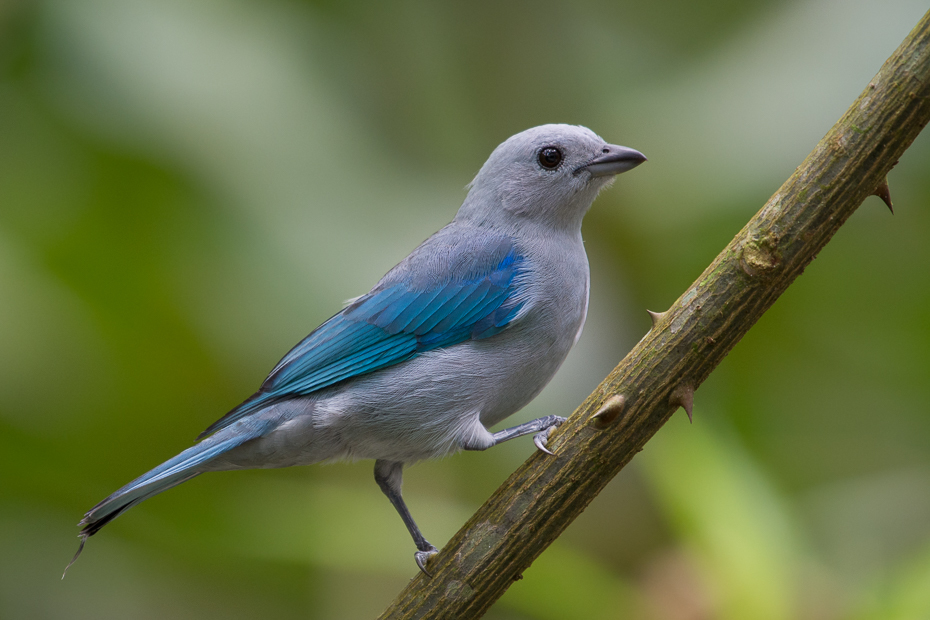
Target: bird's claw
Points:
(541, 439)
(422, 558)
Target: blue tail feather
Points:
(171, 473)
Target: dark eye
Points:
(550, 157)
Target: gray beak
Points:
(613, 160)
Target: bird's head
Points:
(548, 174)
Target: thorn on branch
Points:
(656, 317)
(609, 412)
(884, 193)
(683, 396)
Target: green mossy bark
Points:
(686, 343)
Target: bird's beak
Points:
(613, 160)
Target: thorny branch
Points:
(685, 344)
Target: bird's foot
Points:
(422, 558)
(541, 439)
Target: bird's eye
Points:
(550, 157)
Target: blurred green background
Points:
(188, 187)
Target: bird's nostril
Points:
(605, 150)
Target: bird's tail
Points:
(171, 473)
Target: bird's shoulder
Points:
(458, 253)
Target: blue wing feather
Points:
(471, 289)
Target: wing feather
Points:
(472, 288)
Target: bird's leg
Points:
(389, 475)
(543, 428)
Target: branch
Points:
(685, 344)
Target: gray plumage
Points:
(458, 336)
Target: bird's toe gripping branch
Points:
(422, 559)
(541, 439)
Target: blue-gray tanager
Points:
(461, 334)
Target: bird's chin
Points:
(602, 182)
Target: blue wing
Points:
(447, 291)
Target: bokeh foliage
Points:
(187, 188)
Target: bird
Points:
(458, 336)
